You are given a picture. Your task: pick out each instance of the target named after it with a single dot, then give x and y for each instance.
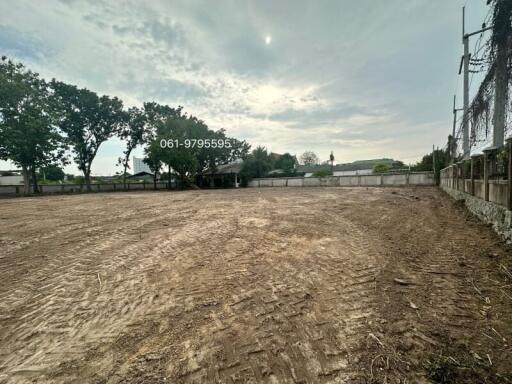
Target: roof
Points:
(141, 174)
(235, 167)
(10, 172)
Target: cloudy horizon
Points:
(365, 80)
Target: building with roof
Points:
(226, 176)
(11, 177)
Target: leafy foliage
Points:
(87, 120)
(322, 173)
(309, 158)
(286, 162)
(39, 120)
(381, 168)
(133, 133)
(257, 164)
(52, 173)
(28, 136)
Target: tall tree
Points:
(152, 159)
(309, 158)
(88, 120)
(286, 162)
(133, 133)
(209, 158)
(28, 136)
(257, 164)
(180, 159)
(52, 173)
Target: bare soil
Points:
(320, 285)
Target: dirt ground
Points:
(320, 285)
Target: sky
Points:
(364, 79)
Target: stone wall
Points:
(491, 213)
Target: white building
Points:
(140, 166)
(11, 180)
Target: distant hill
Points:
(354, 166)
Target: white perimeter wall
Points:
(416, 178)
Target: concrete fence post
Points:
(462, 176)
(509, 180)
(472, 176)
(456, 171)
(486, 175)
(452, 171)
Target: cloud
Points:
(365, 79)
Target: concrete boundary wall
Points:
(17, 190)
(489, 200)
(392, 180)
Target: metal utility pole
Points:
(501, 90)
(465, 122)
(465, 58)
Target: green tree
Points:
(397, 164)
(286, 162)
(442, 159)
(180, 159)
(380, 168)
(199, 150)
(87, 120)
(152, 159)
(156, 116)
(255, 165)
(28, 136)
(309, 158)
(211, 157)
(133, 133)
(52, 173)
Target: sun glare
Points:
(268, 39)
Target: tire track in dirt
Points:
(296, 306)
(276, 286)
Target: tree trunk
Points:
(34, 179)
(124, 175)
(154, 180)
(26, 180)
(169, 176)
(87, 176)
(126, 160)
